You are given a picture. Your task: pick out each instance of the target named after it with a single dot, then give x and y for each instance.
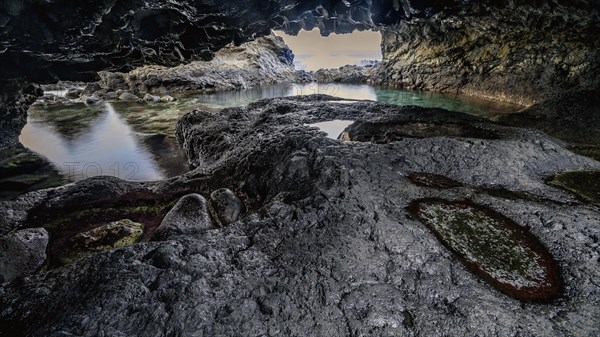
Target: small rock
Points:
(120, 92)
(73, 93)
(111, 95)
(109, 236)
(90, 100)
(100, 93)
(188, 217)
(167, 99)
(227, 206)
(129, 97)
(151, 98)
(22, 253)
(90, 88)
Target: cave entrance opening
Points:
(313, 51)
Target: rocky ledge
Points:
(572, 116)
(267, 60)
(345, 74)
(386, 233)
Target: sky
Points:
(313, 51)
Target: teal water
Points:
(466, 104)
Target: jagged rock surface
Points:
(521, 53)
(327, 247)
(15, 99)
(66, 39)
(345, 74)
(266, 60)
(572, 116)
(23, 252)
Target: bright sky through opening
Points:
(314, 51)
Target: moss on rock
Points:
(112, 235)
(492, 246)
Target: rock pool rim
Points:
(539, 295)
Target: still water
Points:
(112, 138)
(107, 146)
(466, 104)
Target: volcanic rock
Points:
(22, 253)
(327, 246)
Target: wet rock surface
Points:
(572, 116)
(327, 246)
(15, 99)
(23, 171)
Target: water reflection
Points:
(466, 104)
(85, 141)
(226, 99)
(333, 128)
(219, 100)
(107, 146)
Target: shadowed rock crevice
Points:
(432, 180)
(387, 132)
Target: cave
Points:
(299, 168)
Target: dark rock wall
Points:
(15, 99)
(46, 40)
(521, 54)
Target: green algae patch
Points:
(66, 223)
(109, 236)
(584, 184)
(424, 179)
(504, 254)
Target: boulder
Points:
(90, 100)
(91, 88)
(149, 98)
(129, 97)
(22, 253)
(73, 93)
(227, 206)
(167, 99)
(189, 217)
